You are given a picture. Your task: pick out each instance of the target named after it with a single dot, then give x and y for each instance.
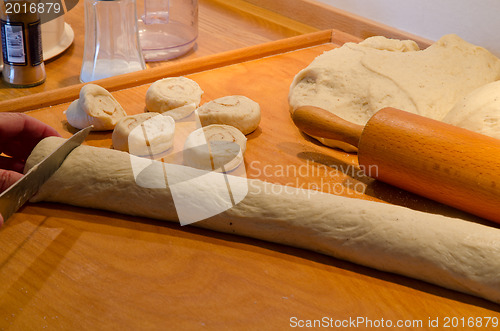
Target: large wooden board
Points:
(67, 267)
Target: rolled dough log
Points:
(449, 252)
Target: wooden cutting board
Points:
(67, 267)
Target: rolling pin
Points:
(442, 162)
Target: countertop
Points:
(65, 267)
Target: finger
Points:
(11, 125)
(15, 124)
(7, 178)
(19, 133)
(9, 163)
(37, 129)
(18, 149)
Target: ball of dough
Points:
(236, 110)
(95, 106)
(125, 126)
(175, 96)
(215, 147)
(357, 80)
(478, 111)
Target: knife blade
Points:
(21, 191)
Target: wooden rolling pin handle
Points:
(442, 162)
(318, 122)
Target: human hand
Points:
(19, 134)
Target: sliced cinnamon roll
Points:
(235, 110)
(215, 147)
(174, 96)
(95, 106)
(148, 135)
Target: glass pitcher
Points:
(168, 28)
(111, 39)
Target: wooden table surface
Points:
(64, 267)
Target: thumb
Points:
(7, 178)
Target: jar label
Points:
(35, 43)
(13, 43)
(18, 43)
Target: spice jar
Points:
(21, 43)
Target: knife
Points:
(20, 192)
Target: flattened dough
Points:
(450, 252)
(95, 106)
(356, 80)
(478, 111)
(236, 110)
